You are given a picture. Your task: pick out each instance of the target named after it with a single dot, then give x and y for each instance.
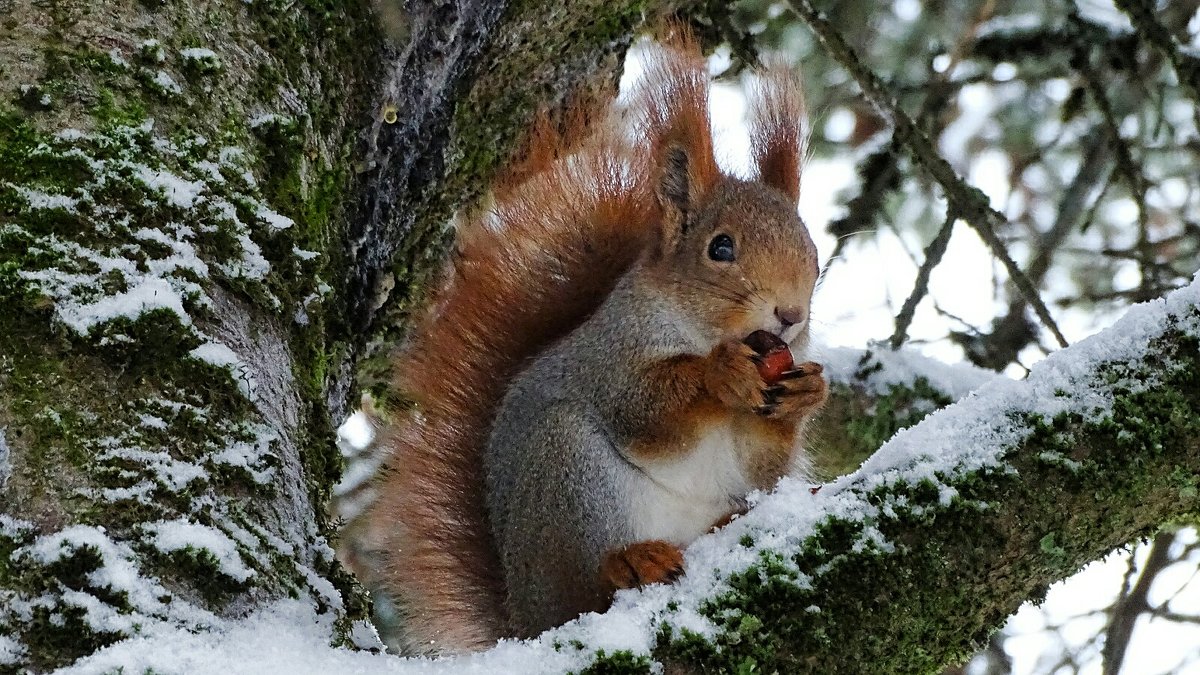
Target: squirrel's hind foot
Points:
(640, 564)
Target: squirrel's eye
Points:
(721, 249)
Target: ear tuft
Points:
(671, 100)
(778, 129)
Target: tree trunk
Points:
(210, 211)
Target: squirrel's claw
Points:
(641, 564)
(802, 370)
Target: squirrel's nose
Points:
(790, 316)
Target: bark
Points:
(208, 211)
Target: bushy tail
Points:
(563, 226)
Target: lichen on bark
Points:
(168, 199)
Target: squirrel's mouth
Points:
(793, 333)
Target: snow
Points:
(217, 354)
(222, 356)
(171, 473)
(11, 651)
(149, 266)
(903, 367)
(268, 118)
(252, 457)
(178, 192)
(275, 220)
(936, 445)
(289, 637)
(36, 199)
(166, 82)
(13, 528)
(198, 54)
(153, 49)
(179, 535)
(118, 574)
(149, 294)
(5, 462)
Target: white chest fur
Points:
(678, 500)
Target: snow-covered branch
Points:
(899, 567)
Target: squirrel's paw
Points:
(733, 378)
(646, 562)
(799, 392)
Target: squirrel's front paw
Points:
(733, 378)
(636, 565)
(799, 392)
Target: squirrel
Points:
(584, 402)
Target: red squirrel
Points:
(585, 402)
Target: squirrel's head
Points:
(733, 252)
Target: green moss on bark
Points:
(114, 420)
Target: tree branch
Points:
(1129, 607)
(1144, 16)
(911, 562)
(933, 256)
(964, 199)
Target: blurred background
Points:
(1082, 130)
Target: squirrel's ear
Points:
(778, 131)
(678, 194)
(674, 189)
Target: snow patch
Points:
(172, 473)
(166, 83)
(14, 528)
(117, 573)
(170, 536)
(198, 54)
(36, 199)
(11, 651)
(177, 191)
(149, 294)
(221, 356)
(5, 462)
(252, 457)
(886, 368)
(274, 220)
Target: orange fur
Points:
(641, 564)
(566, 221)
(565, 236)
(673, 102)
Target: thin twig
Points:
(1125, 611)
(968, 201)
(933, 256)
(1143, 14)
